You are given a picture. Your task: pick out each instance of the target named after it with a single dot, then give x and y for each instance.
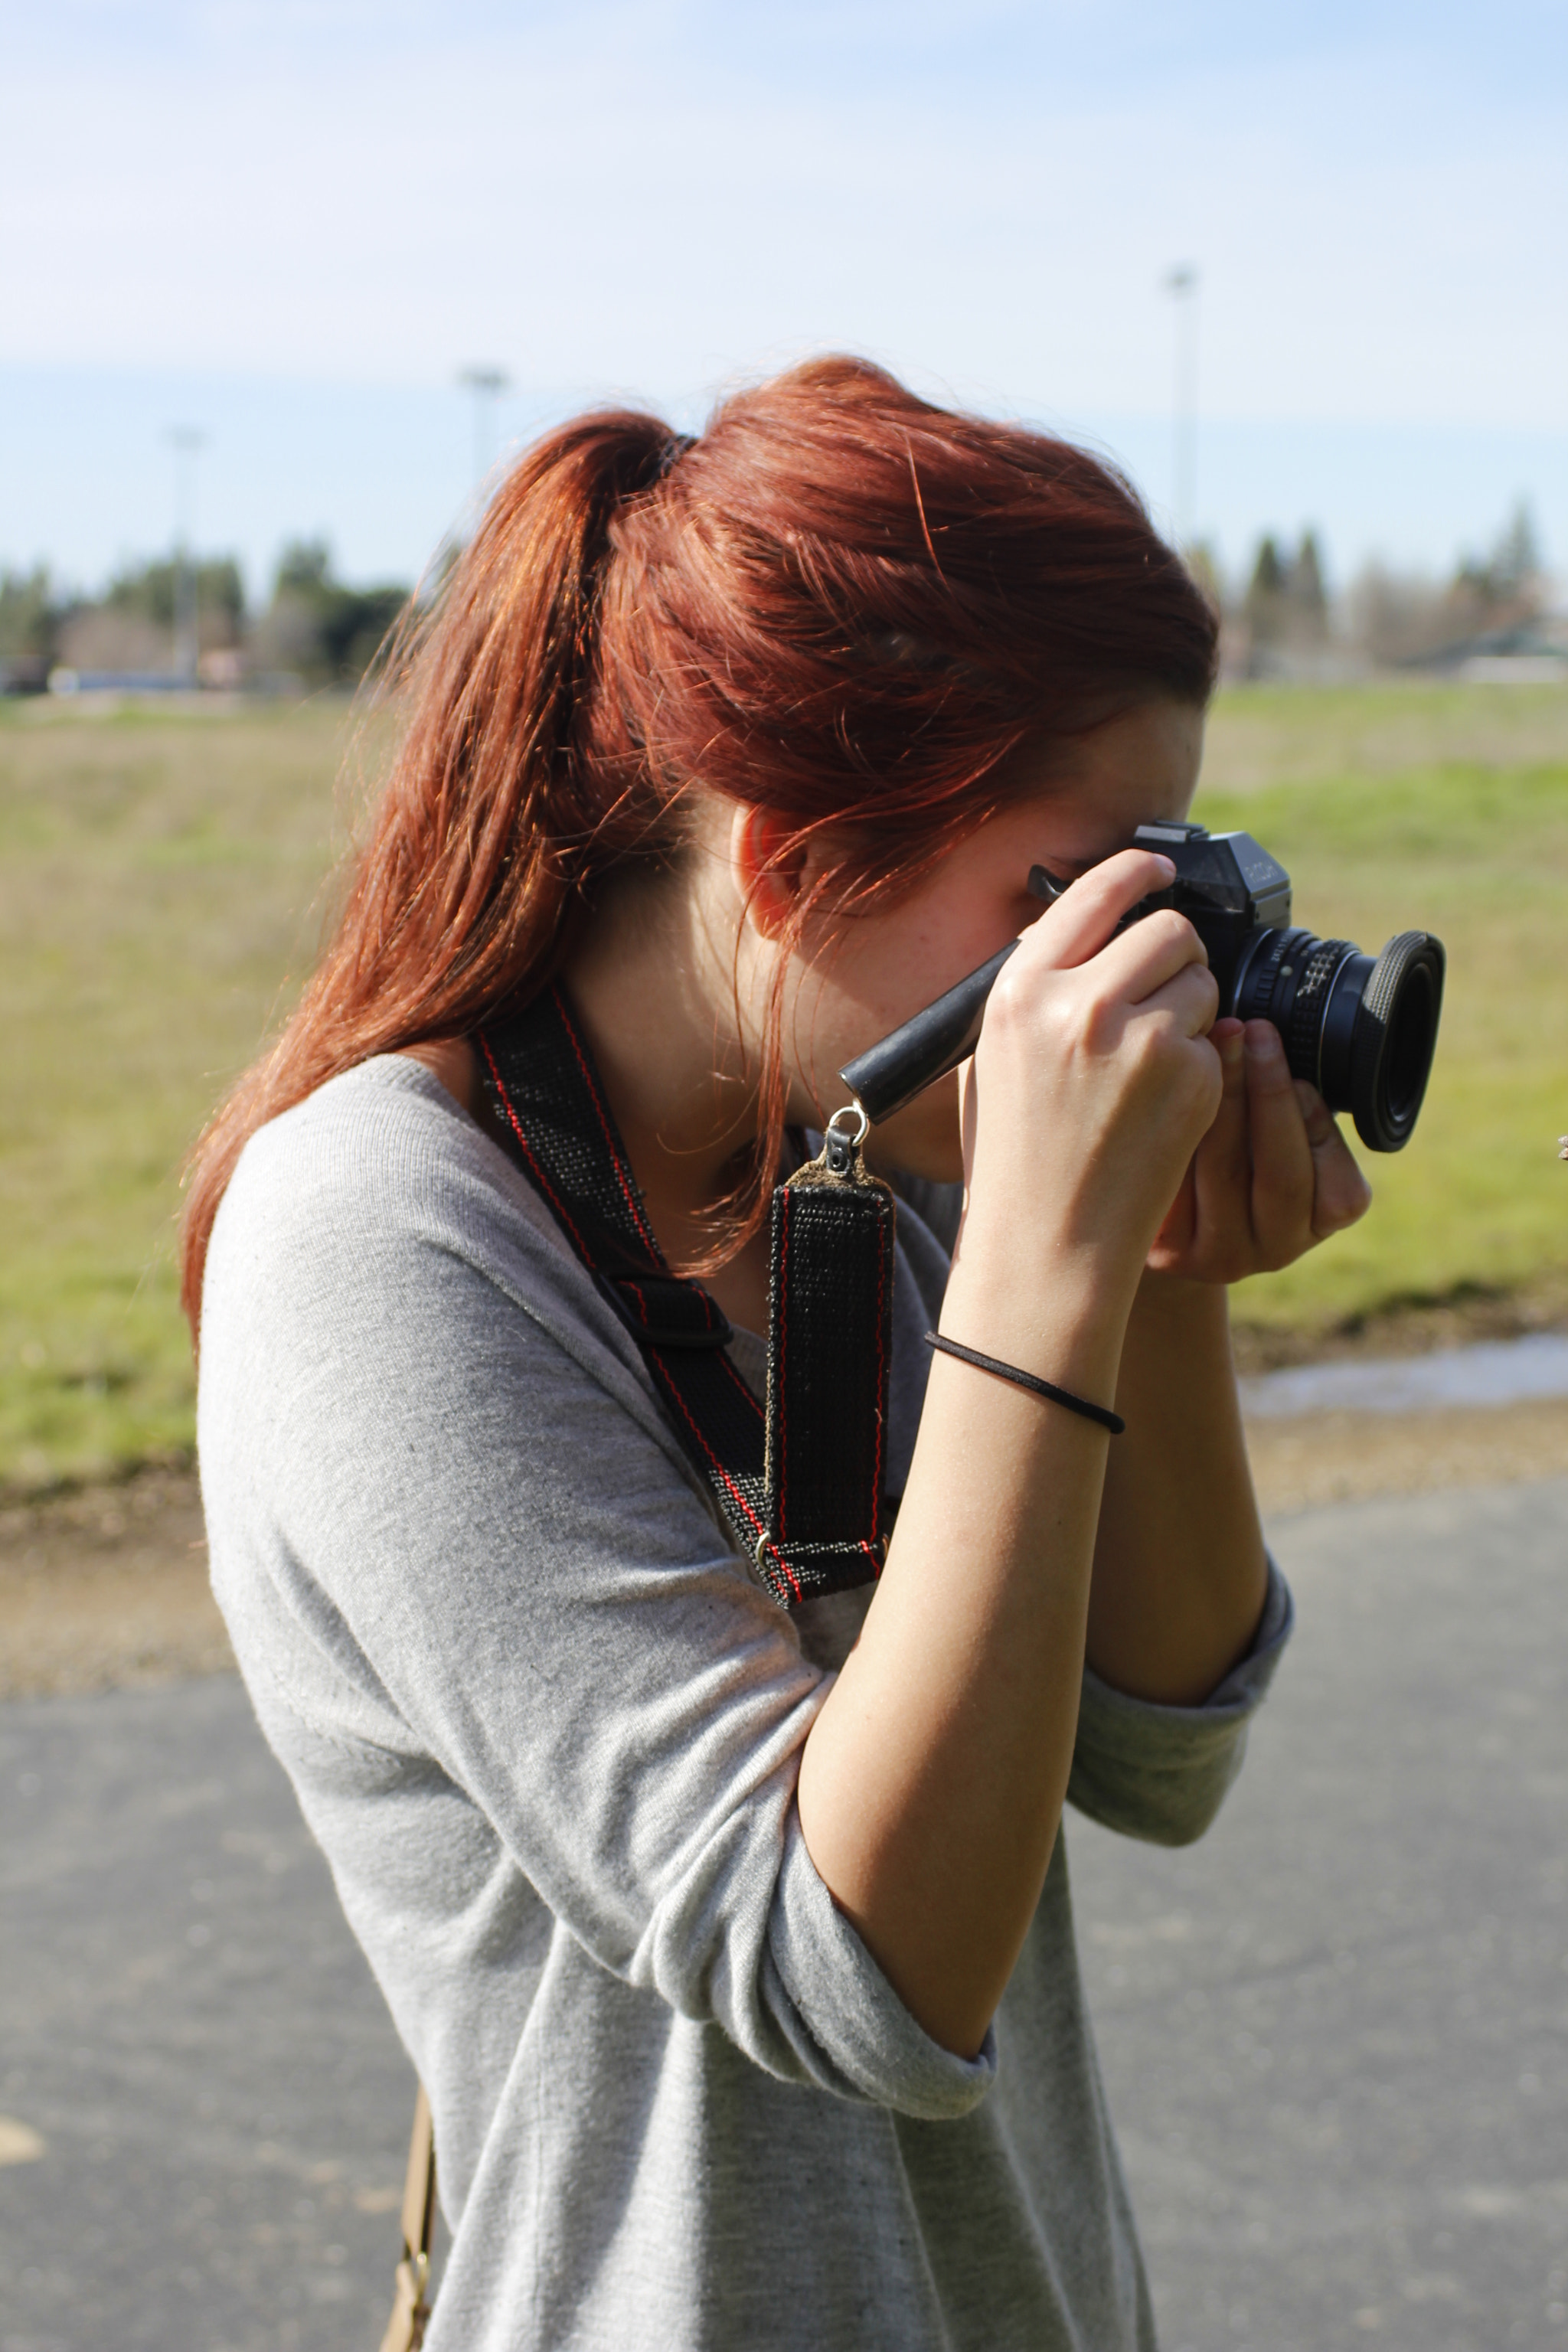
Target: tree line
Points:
(314, 630)
(1286, 618)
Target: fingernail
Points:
(1231, 1049)
(1262, 1040)
(1169, 864)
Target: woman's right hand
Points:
(1092, 1083)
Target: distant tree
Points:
(1397, 617)
(319, 626)
(146, 591)
(220, 596)
(1307, 591)
(304, 569)
(1514, 572)
(1500, 589)
(1285, 612)
(1267, 606)
(30, 614)
(1268, 573)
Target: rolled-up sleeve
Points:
(871, 2048)
(1161, 1772)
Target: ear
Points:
(772, 869)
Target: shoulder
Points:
(376, 1161)
(385, 1137)
(376, 1221)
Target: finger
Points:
(1188, 997)
(1223, 1167)
(1340, 1193)
(1283, 1174)
(1139, 962)
(1083, 918)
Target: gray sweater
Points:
(545, 1723)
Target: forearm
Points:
(933, 1781)
(1180, 1572)
(932, 1784)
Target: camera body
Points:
(1361, 1029)
(1226, 886)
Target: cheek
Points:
(883, 969)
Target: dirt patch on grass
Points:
(108, 1587)
(1414, 1325)
(1342, 1457)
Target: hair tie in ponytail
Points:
(670, 456)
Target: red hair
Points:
(839, 604)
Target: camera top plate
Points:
(1226, 873)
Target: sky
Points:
(290, 223)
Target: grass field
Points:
(158, 875)
(161, 889)
(1442, 809)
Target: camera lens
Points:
(1361, 1029)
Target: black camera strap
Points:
(800, 1480)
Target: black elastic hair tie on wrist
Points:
(1048, 1389)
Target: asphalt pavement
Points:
(1335, 2033)
(188, 2026)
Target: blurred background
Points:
(285, 286)
(286, 282)
(282, 288)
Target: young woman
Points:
(733, 1943)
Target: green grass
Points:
(1443, 809)
(159, 894)
(158, 875)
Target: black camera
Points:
(1362, 1028)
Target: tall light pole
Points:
(1182, 285)
(486, 384)
(187, 441)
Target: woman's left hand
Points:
(1272, 1177)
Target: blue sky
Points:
(290, 222)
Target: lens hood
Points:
(1394, 1039)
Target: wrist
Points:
(1059, 1314)
(1177, 1341)
(1179, 1299)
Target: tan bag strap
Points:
(410, 2303)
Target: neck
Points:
(652, 983)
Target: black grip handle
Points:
(891, 1073)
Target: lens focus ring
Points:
(1304, 1023)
